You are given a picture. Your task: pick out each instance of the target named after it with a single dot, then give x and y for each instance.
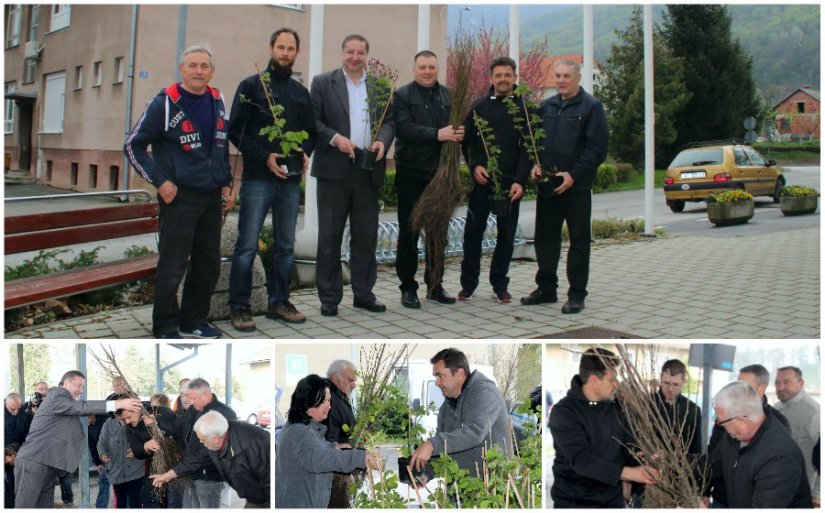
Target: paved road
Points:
(694, 220)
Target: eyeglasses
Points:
(723, 422)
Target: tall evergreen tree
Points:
(622, 93)
(717, 72)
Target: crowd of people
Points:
(758, 455)
(316, 459)
(201, 436)
(188, 127)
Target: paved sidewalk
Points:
(765, 286)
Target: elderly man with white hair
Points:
(16, 422)
(341, 373)
(240, 452)
(758, 461)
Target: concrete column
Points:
(515, 33)
(650, 125)
(306, 239)
(423, 27)
(587, 57)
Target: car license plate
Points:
(693, 174)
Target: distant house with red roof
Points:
(797, 115)
(549, 82)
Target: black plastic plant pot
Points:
(500, 206)
(547, 188)
(293, 164)
(404, 476)
(365, 159)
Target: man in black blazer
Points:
(56, 440)
(345, 109)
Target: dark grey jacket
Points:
(56, 435)
(330, 103)
(114, 443)
(477, 418)
(305, 463)
(340, 413)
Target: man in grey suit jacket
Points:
(56, 440)
(345, 110)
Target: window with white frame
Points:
(34, 27)
(97, 74)
(119, 70)
(9, 88)
(61, 16)
(54, 100)
(14, 19)
(78, 77)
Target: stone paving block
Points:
(134, 333)
(60, 333)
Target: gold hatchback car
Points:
(714, 166)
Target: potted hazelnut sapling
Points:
(500, 200)
(381, 80)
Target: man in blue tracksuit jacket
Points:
(186, 125)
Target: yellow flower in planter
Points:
(795, 191)
(730, 196)
(261, 245)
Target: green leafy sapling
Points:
(383, 79)
(289, 141)
(492, 151)
(524, 112)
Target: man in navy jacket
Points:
(186, 125)
(575, 144)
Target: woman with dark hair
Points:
(306, 461)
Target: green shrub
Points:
(798, 190)
(624, 172)
(605, 177)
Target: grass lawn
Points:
(637, 182)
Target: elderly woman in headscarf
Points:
(305, 461)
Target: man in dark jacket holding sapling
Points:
(340, 421)
(590, 437)
(501, 176)
(575, 144)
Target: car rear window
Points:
(698, 157)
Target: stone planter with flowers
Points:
(734, 206)
(795, 200)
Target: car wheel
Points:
(252, 419)
(676, 205)
(777, 190)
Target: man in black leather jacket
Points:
(422, 120)
(206, 481)
(575, 144)
(341, 374)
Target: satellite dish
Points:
(749, 123)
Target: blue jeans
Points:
(102, 501)
(478, 210)
(257, 199)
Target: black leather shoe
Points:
(572, 306)
(441, 297)
(329, 309)
(538, 297)
(409, 298)
(371, 305)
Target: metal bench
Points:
(32, 232)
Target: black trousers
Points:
(575, 208)
(190, 236)
(409, 187)
(478, 210)
(356, 198)
(128, 494)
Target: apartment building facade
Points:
(70, 95)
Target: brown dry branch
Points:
(169, 453)
(434, 208)
(657, 443)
